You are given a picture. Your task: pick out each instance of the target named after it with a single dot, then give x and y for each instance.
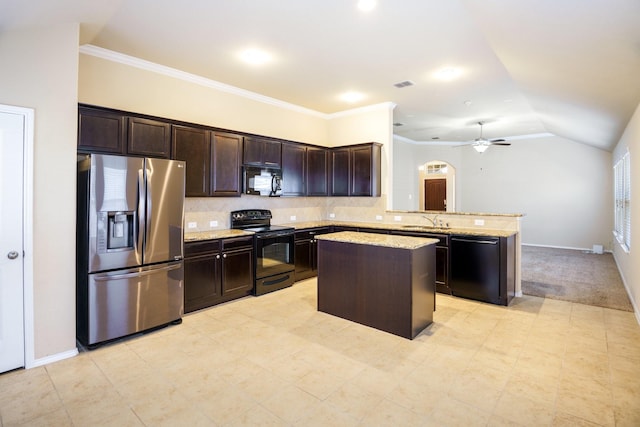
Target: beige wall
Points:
(112, 84)
(40, 71)
(629, 263)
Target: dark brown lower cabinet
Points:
(306, 252)
(442, 257)
(216, 271)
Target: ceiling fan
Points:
(481, 144)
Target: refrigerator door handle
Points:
(140, 232)
(109, 277)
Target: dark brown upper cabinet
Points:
(115, 132)
(149, 138)
(194, 147)
(101, 131)
(317, 171)
(212, 158)
(293, 169)
(356, 170)
(340, 171)
(226, 161)
(262, 152)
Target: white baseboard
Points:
(636, 309)
(53, 358)
(561, 247)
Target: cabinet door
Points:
(317, 171)
(101, 131)
(237, 272)
(226, 155)
(293, 169)
(193, 146)
(304, 257)
(361, 171)
(149, 138)
(261, 152)
(202, 282)
(340, 172)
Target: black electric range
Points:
(273, 249)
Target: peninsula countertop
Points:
(386, 240)
(403, 227)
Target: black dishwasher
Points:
(475, 268)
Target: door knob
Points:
(12, 255)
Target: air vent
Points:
(404, 84)
(398, 124)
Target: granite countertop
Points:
(225, 233)
(386, 240)
(214, 234)
(405, 227)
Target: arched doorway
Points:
(437, 184)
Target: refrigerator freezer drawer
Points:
(124, 302)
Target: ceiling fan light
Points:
(481, 148)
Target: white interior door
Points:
(12, 342)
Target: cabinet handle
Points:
(224, 255)
(217, 256)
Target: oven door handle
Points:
(272, 235)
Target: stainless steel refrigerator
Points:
(129, 272)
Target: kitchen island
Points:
(383, 281)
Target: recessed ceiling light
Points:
(254, 56)
(366, 5)
(448, 73)
(351, 97)
(405, 83)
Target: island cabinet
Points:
(306, 251)
(262, 152)
(111, 131)
(356, 170)
(216, 271)
(483, 268)
(213, 161)
(382, 281)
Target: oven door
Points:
(274, 253)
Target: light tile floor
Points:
(275, 361)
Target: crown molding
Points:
(110, 55)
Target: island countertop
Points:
(386, 240)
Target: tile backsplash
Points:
(202, 210)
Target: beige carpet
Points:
(573, 275)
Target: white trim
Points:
(54, 358)
(27, 237)
(560, 247)
(132, 61)
(636, 309)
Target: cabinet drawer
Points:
(310, 233)
(237, 243)
(199, 248)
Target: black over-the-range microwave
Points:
(262, 181)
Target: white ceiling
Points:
(568, 67)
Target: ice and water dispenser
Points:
(115, 231)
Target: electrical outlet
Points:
(213, 223)
(192, 225)
(292, 217)
(397, 218)
(332, 215)
(379, 217)
(478, 221)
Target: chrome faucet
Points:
(431, 220)
(435, 222)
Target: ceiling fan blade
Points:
(500, 143)
(497, 140)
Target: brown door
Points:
(435, 194)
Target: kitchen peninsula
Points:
(381, 281)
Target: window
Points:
(622, 190)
